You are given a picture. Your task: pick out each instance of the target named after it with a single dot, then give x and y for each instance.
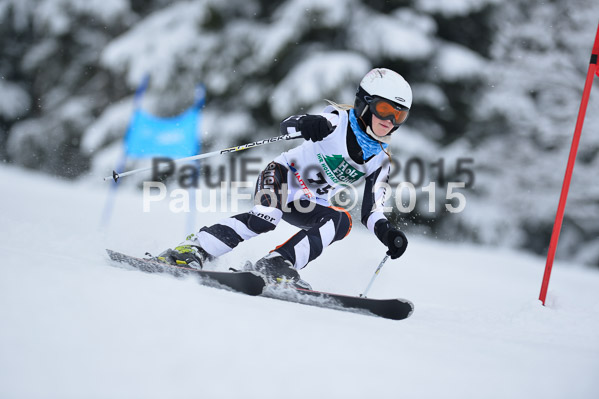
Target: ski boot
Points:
(279, 270)
(188, 253)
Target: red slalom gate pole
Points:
(557, 226)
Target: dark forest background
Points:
(497, 84)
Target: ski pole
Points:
(376, 272)
(289, 136)
(398, 242)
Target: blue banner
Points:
(174, 137)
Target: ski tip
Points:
(405, 311)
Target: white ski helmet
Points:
(382, 83)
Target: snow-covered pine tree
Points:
(522, 129)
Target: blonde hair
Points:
(341, 107)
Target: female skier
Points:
(344, 146)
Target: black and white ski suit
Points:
(297, 187)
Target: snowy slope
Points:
(72, 326)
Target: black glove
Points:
(314, 127)
(394, 239)
(397, 243)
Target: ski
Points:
(247, 282)
(253, 283)
(394, 309)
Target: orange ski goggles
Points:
(383, 109)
